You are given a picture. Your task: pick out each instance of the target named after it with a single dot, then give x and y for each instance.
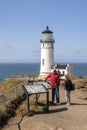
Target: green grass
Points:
(7, 84)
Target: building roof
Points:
(58, 66)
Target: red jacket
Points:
(54, 79)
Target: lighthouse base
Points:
(42, 76)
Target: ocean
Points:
(8, 70)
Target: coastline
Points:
(79, 81)
(9, 70)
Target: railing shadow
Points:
(78, 103)
(58, 110)
(48, 112)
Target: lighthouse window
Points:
(42, 61)
(63, 73)
(47, 37)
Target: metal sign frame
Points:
(35, 89)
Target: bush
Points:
(10, 109)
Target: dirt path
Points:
(61, 117)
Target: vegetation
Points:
(10, 109)
(7, 84)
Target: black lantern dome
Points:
(47, 30)
(47, 36)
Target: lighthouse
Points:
(47, 52)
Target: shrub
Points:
(10, 109)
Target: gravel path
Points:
(61, 117)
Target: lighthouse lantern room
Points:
(47, 52)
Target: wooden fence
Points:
(13, 93)
(9, 95)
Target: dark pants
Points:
(55, 91)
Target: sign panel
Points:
(47, 85)
(35, 88)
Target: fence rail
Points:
(13, 93)
(10, 94)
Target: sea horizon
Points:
(8, 70)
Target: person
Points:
(54, 82)
(58, 72)
(67, 87)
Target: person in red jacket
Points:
(54, 82)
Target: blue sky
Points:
(22, 21)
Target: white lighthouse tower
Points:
(47, 52)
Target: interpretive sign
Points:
(45, 84)
(37, 88)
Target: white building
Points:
(63, 69)
(47, 56)
(47, 52)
